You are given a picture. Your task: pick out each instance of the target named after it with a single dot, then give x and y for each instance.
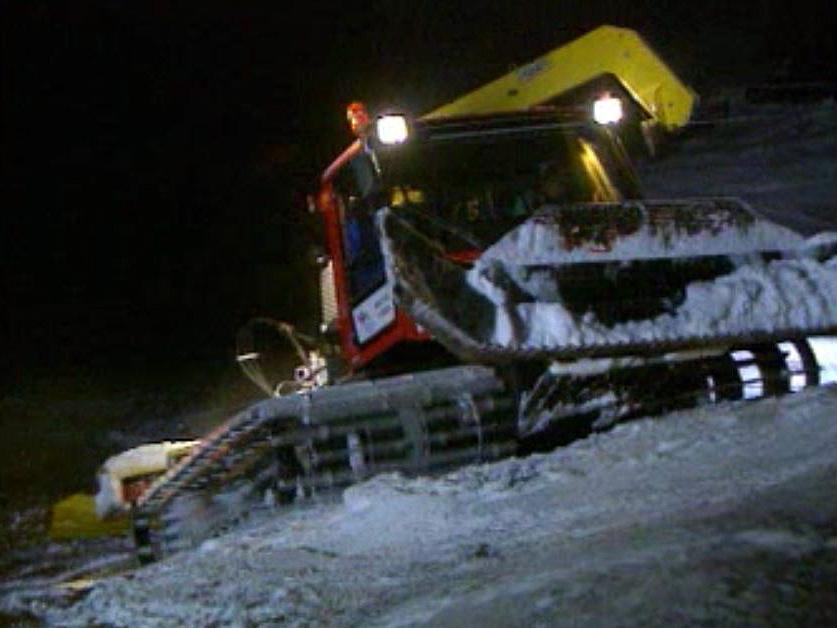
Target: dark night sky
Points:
(155, 155)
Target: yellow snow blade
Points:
(74, 517)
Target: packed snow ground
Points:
(722, 515)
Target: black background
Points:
(156, 155)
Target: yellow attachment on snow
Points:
(605, 50)
(139, 464)
(75, 518)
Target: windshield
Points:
(481, 184)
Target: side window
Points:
(357, 184)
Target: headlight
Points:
(607, 110)
(391, 129)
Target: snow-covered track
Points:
(308, 444)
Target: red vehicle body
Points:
(358, 350)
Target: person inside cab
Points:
(552, 185)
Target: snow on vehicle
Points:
(495, 284)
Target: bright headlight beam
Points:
(607, 110)
(392, 129)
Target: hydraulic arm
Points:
(620, 52)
